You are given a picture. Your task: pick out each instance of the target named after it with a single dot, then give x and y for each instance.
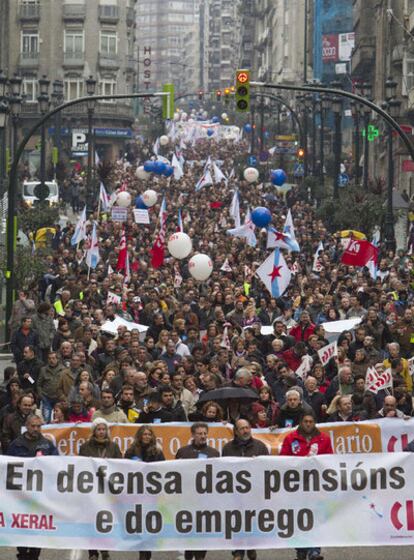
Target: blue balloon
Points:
(248, 127)
(278, 177)
(168, 171)
(215, 120)
(210, 132)
(159, 167)
(261, 217)
(149, 166)
(139, 203)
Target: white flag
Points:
(218, 174)
(205, 180)
(113, 298)
(289, 227)
(92, 254)
(235, 209)
(317, 266)
(178, 170)
(328, 352)
(80, 229)
(304, 367)
(156, 146)
(103, 197)
(246, 230)
(226, 266)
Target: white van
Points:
(29, 196)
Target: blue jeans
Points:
(47, 408)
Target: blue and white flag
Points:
(180, 221)
(104, 198)
(246, 230)
(178, 169)
(205, 180)
(289, 227)
(92, 254)
(282, 240)
(80, 229)
(275, 274)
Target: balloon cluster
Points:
(157, 167)
(180, 246)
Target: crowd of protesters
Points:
(201, 336)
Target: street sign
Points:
(298, 170)
(252, 161)
(264, 155)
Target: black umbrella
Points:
(228, 393)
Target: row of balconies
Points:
(106, 13)
(77, 60)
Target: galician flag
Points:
(205, 180)
(80, 229)
(282, 240)
(92, 254)
(275, 274)
(246, 230)
(289, 228)
(104, 198)
(317, 265)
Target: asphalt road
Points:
(374, 553)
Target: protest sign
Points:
(376, 381)
(327, 352)
(225, 504)
(141, 216)
(119, 214)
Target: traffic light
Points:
(243, 91)
(300, 154)
(200, 95)
(218, 95)
(226, 96)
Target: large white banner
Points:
(232, 503)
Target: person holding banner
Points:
(31, 444)
(307, 441)
(244, 445)
(197, 449)
(100, 445)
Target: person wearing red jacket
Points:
(307, 441)
(303, 329)
(293, 356)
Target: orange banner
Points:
(346, 438)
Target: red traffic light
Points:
(301, 152)
(200, 94)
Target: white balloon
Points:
(142, 174)
(224, 116)
(251, 174)
(176, 116)
(184, 115)
(149, 198)
(200, 266)
(123, 199)
(164, 140)
(180, 245)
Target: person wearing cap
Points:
(101, 446)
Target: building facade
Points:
(163, 27)
(70, 40)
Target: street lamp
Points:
(43, 100)
(307, 105)
(90, 90)
(393, 105)
(3, 120)
(337, 111)
(325, 105)
(57, 99)
(366, 90)
(357, 133)
(15, 105)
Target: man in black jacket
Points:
(244, 445)
(29, 368)
(154, 412)
(31, 444)
(197, 449)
